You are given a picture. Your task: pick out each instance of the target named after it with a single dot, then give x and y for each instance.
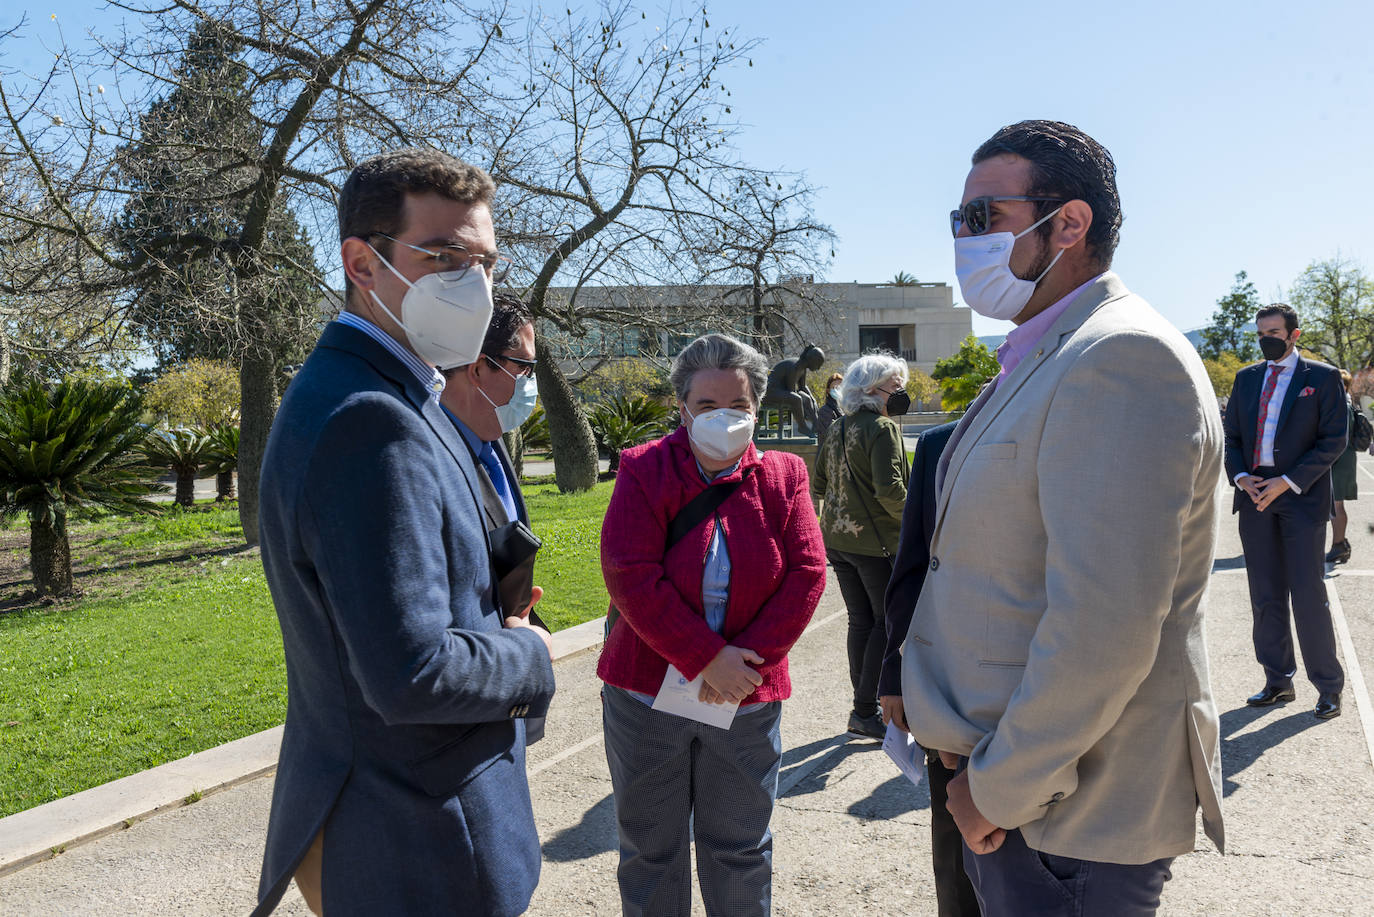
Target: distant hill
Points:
(992, 341)
(1194, 336)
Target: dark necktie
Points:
(1265, 397)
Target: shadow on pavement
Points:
(1239, 752)
(1229, 563)
(897, 796)
(818, 774)
(595, 833)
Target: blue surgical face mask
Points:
(521, 404)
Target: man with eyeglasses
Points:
(490, 396)
(401, 784)
(1055, 656)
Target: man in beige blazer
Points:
(1056, 651)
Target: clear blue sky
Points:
(1243, 131)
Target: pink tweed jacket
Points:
(777, 562)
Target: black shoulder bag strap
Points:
(844, 450)
(696, 511)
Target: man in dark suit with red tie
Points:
(1285, 426)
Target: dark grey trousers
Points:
(1016, 881)
(672, 776)
(1284, 559)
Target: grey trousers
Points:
(672, 775)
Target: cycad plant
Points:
(63, 448)
(221, 458)
(621, 422)
(534, 432)
(182, 451)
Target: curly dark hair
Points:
(508, 315)
(1290, 316)
(1067, 164)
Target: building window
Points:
(879, 337)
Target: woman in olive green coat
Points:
(861, 476)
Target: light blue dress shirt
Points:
(715, 582)
(496, 473)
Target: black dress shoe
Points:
(1339, 553)
(1328, 706)
(1272, 694)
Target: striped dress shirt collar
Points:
(429, 377)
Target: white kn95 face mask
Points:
(445, 314)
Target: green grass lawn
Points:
(175, 648)
(569, 564)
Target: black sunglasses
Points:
(977, 216)
(526, 367)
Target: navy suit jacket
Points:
(404, 737)
(913, 552)
(1310, 436)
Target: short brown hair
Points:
(373, 197)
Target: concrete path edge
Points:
(47, 830)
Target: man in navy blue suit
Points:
(1285, 426)
(953, 891)
(401, 786)
(492, 395)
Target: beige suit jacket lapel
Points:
(990, 403)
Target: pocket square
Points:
(1305, 392)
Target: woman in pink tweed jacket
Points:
(726, 602)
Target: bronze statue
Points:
(787, 389)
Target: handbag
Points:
(696, 511)
(1361, 432)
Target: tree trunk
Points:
(4, 358)
(574, 447)
(186, 488)
(224, 486)
(515, 446)
(50, 555)
(257, 407)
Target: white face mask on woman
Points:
(722, 435)
(446, 314)
(983, 265)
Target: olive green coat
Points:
(873, 495)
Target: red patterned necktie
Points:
(1265, 397)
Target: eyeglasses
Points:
(976, 213)
(524, 367)
(456, 259)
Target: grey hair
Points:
(865, 374)
(718, 351)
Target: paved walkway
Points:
(851, 834)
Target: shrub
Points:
(61, 449)
(622, 422)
